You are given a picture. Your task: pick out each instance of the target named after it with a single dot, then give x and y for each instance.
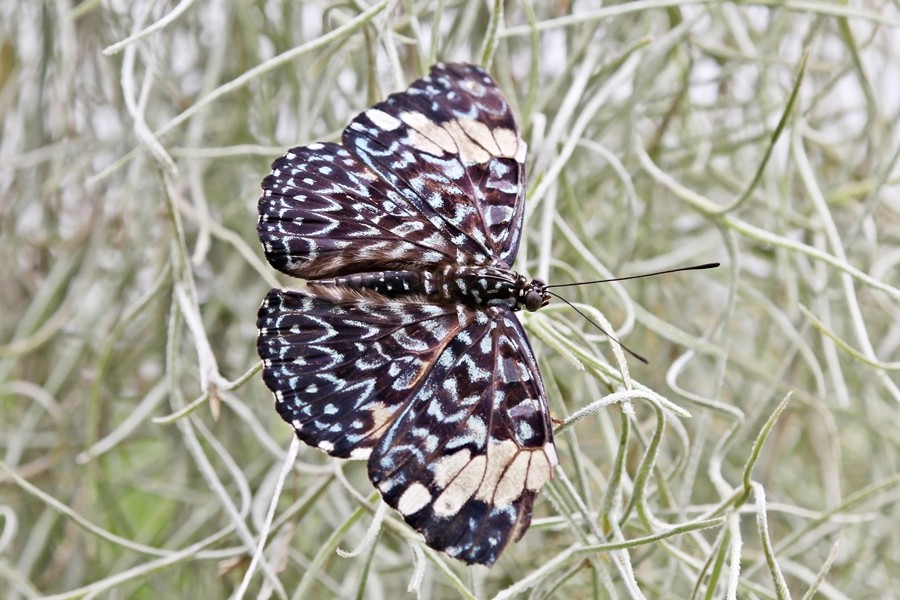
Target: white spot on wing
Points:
(360, 453)
(550, 451)
(414, 499)
(383, 120)
(381, 414)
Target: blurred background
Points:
(139, 449)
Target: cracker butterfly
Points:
(403, 350)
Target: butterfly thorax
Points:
(447, 284)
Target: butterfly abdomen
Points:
(379, 285)
(447, 284)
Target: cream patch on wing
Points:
(499, 477)
(473, 141)
(461, 488)
(383, 120)
(422, 143)
(479, 132)
(428, 132)
(498, 458)
(449, 467)
(521, 151)
(507, 141)
(541, 468)
(470, 152)
(415, 498)
(512, 484)
(426, 135)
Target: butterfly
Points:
(404, 349)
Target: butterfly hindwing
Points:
(465, 460)
(340, 372)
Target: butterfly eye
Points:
(533, 301)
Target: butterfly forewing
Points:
(440, 391)
(451, 145)
(323, 214)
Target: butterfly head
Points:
(532, 295)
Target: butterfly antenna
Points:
(711, 265)
(606, 333)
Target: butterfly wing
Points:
(464, 461)
(451, 145)
(340, 372)
(432, 175)
(446, 403)
(323, 214)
